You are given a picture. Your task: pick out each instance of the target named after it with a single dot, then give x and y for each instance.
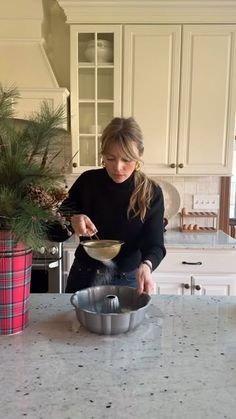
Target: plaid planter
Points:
(15, 276)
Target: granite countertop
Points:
(179, 363)
(217, 240)
(177, 239)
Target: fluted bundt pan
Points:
(109, 310)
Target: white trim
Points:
(48, 65)
(148, 3)
(61, 90)
(149, 11)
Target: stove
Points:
(47, 269)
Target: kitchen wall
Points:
(48, 22)
(187, 187)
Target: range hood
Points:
(24, 61)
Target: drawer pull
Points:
(197, 287)
(191, 263)
(186, 286)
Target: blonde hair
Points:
(125, 132)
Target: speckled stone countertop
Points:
(217, 240)
(177, 239)
(180, 363)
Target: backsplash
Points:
(187, 187)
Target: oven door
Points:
(46, 276)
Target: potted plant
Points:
(31, 190)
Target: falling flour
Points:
(105, 277)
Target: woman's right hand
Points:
(82, 225)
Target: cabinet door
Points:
(171, 284)
(151, 90)
(208, 99)
(95, 88)
(214, 285)
(199, 261)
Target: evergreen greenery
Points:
(30, 186)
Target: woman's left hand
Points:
(144, 279)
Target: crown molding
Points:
(157, 3)
(149, 11)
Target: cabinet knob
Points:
(186, 286)
(172, 165)
(74, 164)
(197, 287)
(181, 165)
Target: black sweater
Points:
(105, 202)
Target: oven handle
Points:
(49, 265)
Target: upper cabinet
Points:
(173, 69)
(207, 99)
(151, 90)
(95, 88)
(181, 89)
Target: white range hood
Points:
(24, 62)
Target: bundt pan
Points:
(110, 309)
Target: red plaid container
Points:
(15, 276)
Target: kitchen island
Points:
(179, 363)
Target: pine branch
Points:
(28, 195)
(42, 130)
(8, 98)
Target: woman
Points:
(118, 202)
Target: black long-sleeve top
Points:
(105, 202)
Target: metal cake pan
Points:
(95, 311)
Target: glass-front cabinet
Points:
(95, 89)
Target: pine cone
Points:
(50, 199)
(39, 196)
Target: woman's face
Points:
(118, 166)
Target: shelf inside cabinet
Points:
(93, 101)
(92, 65)
(194, 227)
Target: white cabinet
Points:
(197, 284)
(171, 285)
(186, 272)
(214, 284)
(179, 82)
(188, 130)
(208, 271)
(151, 90)
(207, 99)
(95, 88)
(178, 62)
